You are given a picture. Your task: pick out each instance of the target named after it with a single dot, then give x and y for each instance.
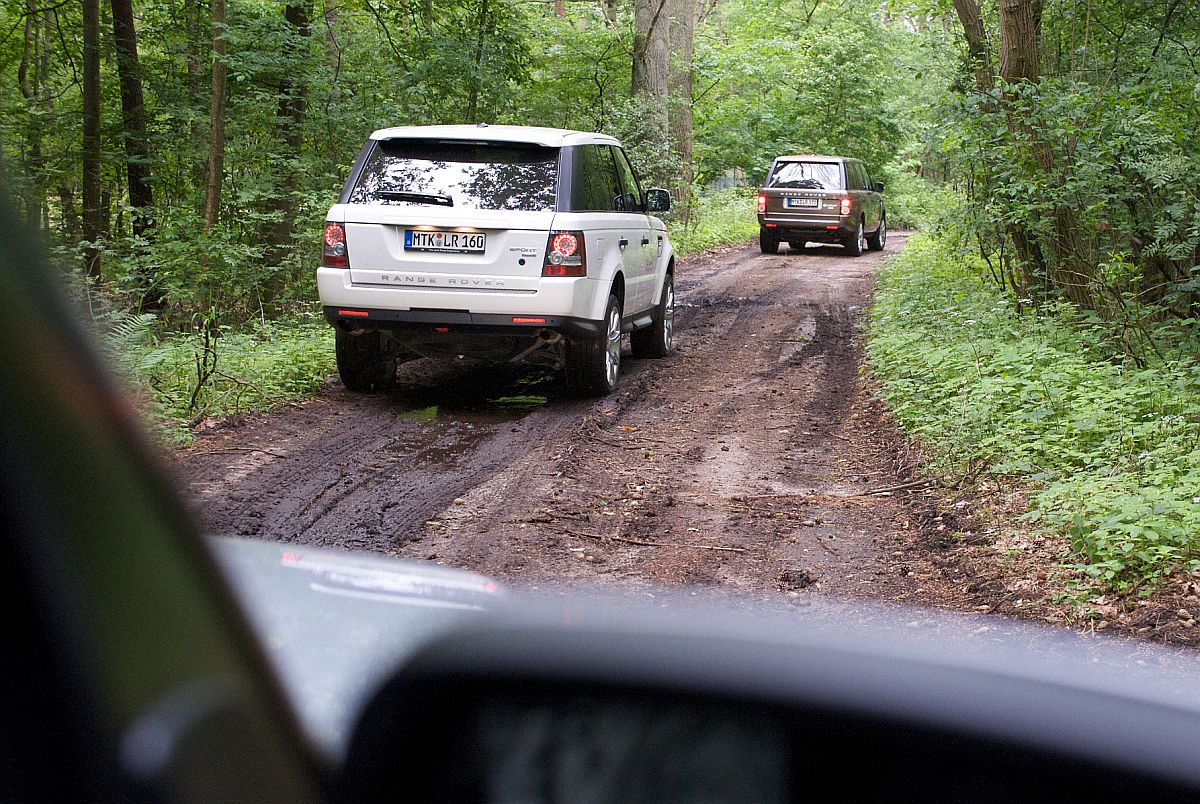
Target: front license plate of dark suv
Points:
(458, 242)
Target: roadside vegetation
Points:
(182, 378)
(1046, 333)
(992, 387)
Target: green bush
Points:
(181, 378)
(914, 203)
(722, 218)
(1111, 450)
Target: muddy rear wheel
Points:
(768, 242)
(594, 363)
(362, 362)
(856, 243)
(878, 240)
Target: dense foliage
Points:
(1065, 290)
(1112, 449)
(306, 82)
(1081, 170)
(185, 377)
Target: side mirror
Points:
(658, 200)
(877, 187)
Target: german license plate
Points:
(458, 242)
(803, 203)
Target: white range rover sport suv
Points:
(496, 242)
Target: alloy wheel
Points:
(612, 356)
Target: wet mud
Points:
(733, 463)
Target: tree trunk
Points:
(93, 213)
(70, 218)
(1020, 30)
(216, 119)
(293, 106)
(978, 51)
(651, 57)
(610, 8)
(133, 113)
(199, 42)
(29, 81)
(682, 44)
(477, 73)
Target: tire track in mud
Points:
(749, 405)
(357, 471)
(726, 456)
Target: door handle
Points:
(623, 242)
(645, 241)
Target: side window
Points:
(860, 176)
(631, 191)
(594, 185)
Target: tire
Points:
(594, 363)
(856, 244)
(361, 361)
(657, 339)
(769, 243)
(878, 240)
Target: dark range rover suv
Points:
(825, 199)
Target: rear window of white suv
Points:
(467, 175)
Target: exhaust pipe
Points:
(546, 337)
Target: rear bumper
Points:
(563, 297)
(460, 322)
(813, 228)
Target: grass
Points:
(1110, 451)
(181, 378)
(725, 218)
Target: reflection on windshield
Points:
(808, 176)
(474, 175)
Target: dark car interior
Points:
(130, 673)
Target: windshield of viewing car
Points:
(808, 176)
(500, 176)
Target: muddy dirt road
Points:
(751, 459)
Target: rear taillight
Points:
(762, 203)
(565, 255)
(335, 254)
(845, 207)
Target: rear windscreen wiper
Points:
(418, 198)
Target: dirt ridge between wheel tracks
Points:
(721, 466)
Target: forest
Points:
(178, 157)
(182, 154)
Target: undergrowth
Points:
(1111, 450)
(722, 218)
(914, 203)
(181, 378)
